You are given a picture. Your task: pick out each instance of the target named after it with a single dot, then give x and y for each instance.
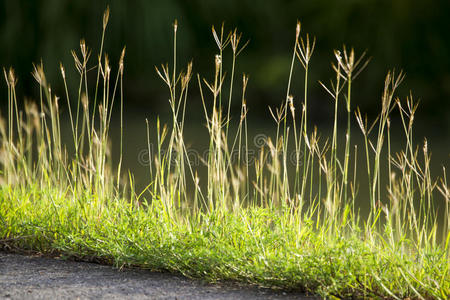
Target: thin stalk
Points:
(347, 141)
(305, 132)
(231, 93)
(100, 55)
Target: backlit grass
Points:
(283, 218)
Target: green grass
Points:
(287, 220)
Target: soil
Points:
(39, 277)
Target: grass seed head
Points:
(218, 61)
(105, 17)
(39, 75)
(84, 101)
(63, 72)
(175, 26)
(78, 64)
(291, 105)
(122, 57)
(304, 50)
(351, 66)
(297, 31)
(12, 77)
(83, 49)
(107, 72)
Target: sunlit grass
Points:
(288, 220)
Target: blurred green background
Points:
(402, 34)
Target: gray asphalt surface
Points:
(36, 277)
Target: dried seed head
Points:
(291, 104)
(164, 74)
(85, 52)
(244, 80)
(57, 103)
(77, 61)
(38, 74)
(189, 69)
(83, 48)
(107, 67)
(304, 50)
(297, 30)
(307, 140)
(185, 78)
(122, 56)
(11, 77)
(175, 26)
(290, 99)
(84, 101)
(338, 56)
(351, 66)
(216, 38)
(425, 147)
(218, 60)
(234, 40)
(63, 72)
(351, 60)
(360, 121)
(197, 179)
(105, 17)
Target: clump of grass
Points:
(298, 232)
